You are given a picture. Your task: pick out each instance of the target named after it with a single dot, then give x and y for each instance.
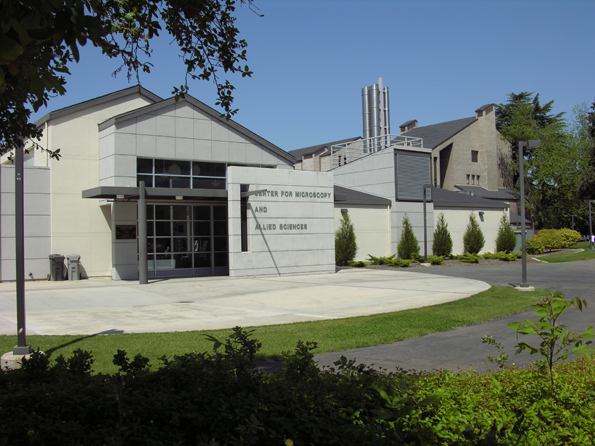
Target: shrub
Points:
(220, 398)
(380, 260)
(507, 257)
(357, 264)
(506, 239)
(389, 261)
(473, 239)
(550, 238)
(408, 245)
(534, 246)
(400, 263)
(470, 258)
(569, 237)
(436, 260)
(442, 244)
(345, 244)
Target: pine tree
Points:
(506, 239)
(345, 243)
(442, 244)
(473, 239)
(408, 245)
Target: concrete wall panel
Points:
(282, 240)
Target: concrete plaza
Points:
(106, 306)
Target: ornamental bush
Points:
(506, 239)
(408, 245)
(551, 239)
(442, 244)
(345, 242)
(473, 239)
(569, 237)
(534, 246)
(221, 398)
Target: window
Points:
(472, 179)
(182, 174)
(477, 179)
(474, 156)
(468, 178)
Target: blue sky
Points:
(440, 59)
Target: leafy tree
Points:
(554, 171)
(345, 242)
(585, 131)
(521, 118)
(473, 239)
(40, 39)
(408, 246)
(442, 244)
(506, 239)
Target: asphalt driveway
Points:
(462, 348)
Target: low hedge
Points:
(220, 399)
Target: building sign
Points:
(125, 232)
(296, 196)
(293, 194)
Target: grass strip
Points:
(587, 254)
(331, 335)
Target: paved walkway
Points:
(462, 348)
(105, 306)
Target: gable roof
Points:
(448, 198)
(98, 101)
(298, 153)
(208, 111)
(436, 134)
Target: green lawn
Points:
(587, 254)
(331, 335)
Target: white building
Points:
(221, 199)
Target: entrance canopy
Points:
(132, 193)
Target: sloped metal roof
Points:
(448, 198)
(298, 153)
(98, 101)
(436, 134)
(500, 194)
(350, 196)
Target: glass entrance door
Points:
(187, 240)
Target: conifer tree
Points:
(506, 240)
(345, 242)
(442, 244)
(473, 239)
(408, 245)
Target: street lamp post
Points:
(521, 154)
(426, 187)
(591, 226)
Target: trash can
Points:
(73, 266)
(56, 267)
